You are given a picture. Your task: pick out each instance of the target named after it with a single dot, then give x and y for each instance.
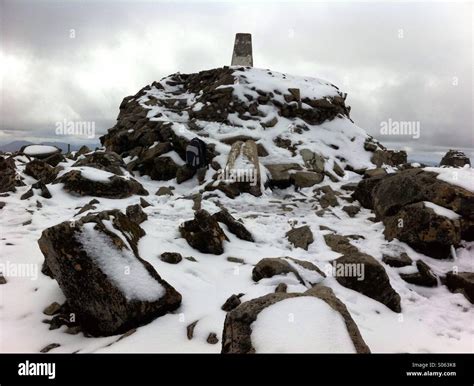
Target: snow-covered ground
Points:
(432, 319)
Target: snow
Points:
(123, 269)
(441, 211)
(39, 149)
(304, 324)
(94, 174)
(463, 177)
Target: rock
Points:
(50, 347)
(424, 230)
(190, 330)
(235, 260)
(352, 186)
(115, 187)
(340, 244)
(281, 288)
(232, 302)
(364, 191)
(338, 170)
(39, 151)
(272, 266)
(234, 226)
(164, 168)
(108, 161)
(455, 159)
(312, 161)
(82, 151)
(424, 277)
(2, 204)
(184, 173)
(280, 174)
(171, 257)
(2, 279)
(388, 157)
(398, 261)
(144, 203)
(9, 180)
(136, 213)
(98, 291)
(375, 283)
(212, 338)
(89, 206)
(261, 151)
(328, 199)
(41, 171)
(300, 237)
(236, 337)
(204, 233)
(164, 191)
(377, 172)
(306, 179)
(351, 210)
(55, 159)
(462, 282)
(28, 194)
(52, 309)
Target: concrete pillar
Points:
(242, 55)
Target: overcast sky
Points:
(76, 60)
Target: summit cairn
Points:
(242, 55)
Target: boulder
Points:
(455, 159)
(339, 243)
(104, 160)
(231, 303)
(54, 159)
(312, 161)
(39, 151)
(107, 285)
(424, 277)
(424, 230)
(462, 282)
(237, 334)
(82, 151)
(204, 233)
(300, 237)
(280, 174)
(306, 179)
(114, 187)
(164, 169)
(377, 172)
(388, 157)
(397, 261)
(41, 171)
(234, 226)
(9, 180)
(351, 210)
(164, 191)
(184, 173)
(375, 282)
(136, 213)
(171, 257)
(364, 192)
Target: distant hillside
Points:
(17, 145)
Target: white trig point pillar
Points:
(242, 55)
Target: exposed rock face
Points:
(97, 290)
(41, 170)
(204, 233)
(234, 226)
(108, 161)
(136, 213)
(306, 179)
(397, 261)
(8, 177)
(300, 237)
(389, 157)
(462, 282)
(424, 277)
(236, 337)
(115, 187)
(424, 230)
(312, 161)
(455, 158)
(375, 283)
(340, 244)
(280, 174)
(231, 303)
(171, 257)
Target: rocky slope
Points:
(327, 232)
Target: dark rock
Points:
(171, 257)
(364, 191)
(300, 237)
(232, 302)
(212, 338)
(424, 277)
(164, 169)
(312, 161)
(116, 187)
(190, 330)
(455, 158)
(2, 204)
(102, 303)
(89, 206)
(184, 173)
(306, 179)
(108, 161)
(281, 288)
(164, 191)
(235, 260)
(204, 233)
(144, 203)
(398, 261)
(2, 279)
(340, 244)
(377, 172)
(280, 174)
(9, 180)
(462, 282)
(351, 210)
(375, 283)
(136, 213)
(236, 337)
(50, 347)
(82, 151)
(52, 309)
(55, 159)
(424, 230)
(352, 186)
(41, 171)
(234, 226)
(389, 157)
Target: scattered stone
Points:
(184, 173)
(144, 203)
(306, 179)
(190, 258)
(171, 257)
(235, 260)
(41, 171)
(232, 302)
(455, 158)
(236, 337)
(50, 347)
(352, 186)
(2, 279)
(389, 157)
(300, 237)
(234, 226)
(462, 282)
(164, 191)
(424, 277)
(312, 161)
(340, 244)
(136, 213)
(2, 204)
(280, 174)
(351, 210)
(281, 288)
(190, 329)
(204, 233)
(73, 330)
(212, 338)
(89, 206)
(398, 261)
(378, 172)
(52, 309)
